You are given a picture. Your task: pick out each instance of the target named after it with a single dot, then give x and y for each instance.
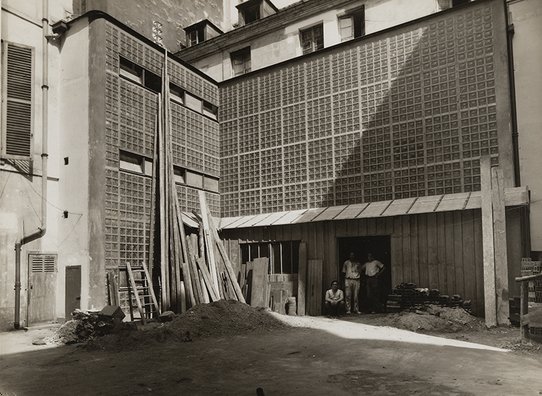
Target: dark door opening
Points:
(379, 247)
(73, 290)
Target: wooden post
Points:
(501, 251)
(488, 247)
(302, 278)
(209, 249)
(524, 307)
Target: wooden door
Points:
(41, 288)
(73, 290)
(314, 287)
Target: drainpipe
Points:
(40, 231)
(513, 103)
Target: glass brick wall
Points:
(131, 114)
(406, 113)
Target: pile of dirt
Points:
(221, 318)
(434, 318)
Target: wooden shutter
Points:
(17, 67)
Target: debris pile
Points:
(84, 326)
(409, 296)
(217, 319)
(434, 318)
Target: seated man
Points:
(334, 300)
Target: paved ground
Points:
(332, 356)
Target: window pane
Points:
(276, 258)
(346, 28)
(264, 250)
(244, 253)
(286, 257)
(254, 251)
(295, 257)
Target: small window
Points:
(152, 81)
(179, 174)
(131, 162)
(131, 71)
(177, 94)
(192, 102)
(251, 14)
(352, 24)
(312, 39)
(210, 183)
(195, 36)
(210, 110)
(194, 179)
(283, 256)
(240, 61)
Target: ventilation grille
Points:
(43, 262)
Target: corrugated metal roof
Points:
(438, 203)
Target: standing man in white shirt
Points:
(334, 300)
(352, 275)
(373, 269)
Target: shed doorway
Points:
(379, 247)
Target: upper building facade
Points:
(276, 35)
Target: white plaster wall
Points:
(284, 44)
(20, 195)
(74, 123)
(526, 15)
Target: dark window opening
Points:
(131, 162)
(352, 25)
(312, 39)
(210, 110)
(139, 75)
(240, 61)
(283, 256)
(456, 3)
(131, 71)
(251, 14)
(195, 36)
(177, 93)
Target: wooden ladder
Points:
(141, 288)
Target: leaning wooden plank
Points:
(488, 243)
(259, 280)
(151, 289)
(196, 284)
(154, 190)
(164, 292)
(134, 290)
(208, 238)
(225, 258)
(302, 278)
(207, 278)
(501, 252)
(203, 288)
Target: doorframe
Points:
(66, 288)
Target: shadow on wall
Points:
(428, 111)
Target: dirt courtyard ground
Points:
(340, 357)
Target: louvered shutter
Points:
(17, 100)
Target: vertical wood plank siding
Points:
(435, 250)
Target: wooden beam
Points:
(208, 239)
(490, 301)
(302, 278)
(501, 251)
(225, 258)
(207, 278)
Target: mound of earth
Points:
(220, 318)
(434, 318)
